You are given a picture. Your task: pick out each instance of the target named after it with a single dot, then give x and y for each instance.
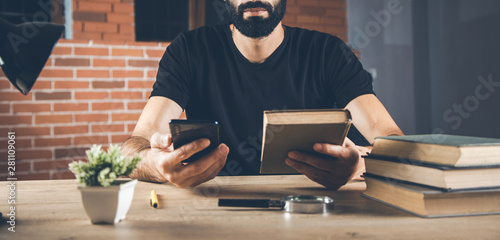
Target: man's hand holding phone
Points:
(169, 161)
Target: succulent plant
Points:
(103, 168)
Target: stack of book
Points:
(435, 175)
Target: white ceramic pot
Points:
(108, 205)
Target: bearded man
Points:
(231, 73)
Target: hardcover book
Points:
(289, 130)
(440, 149)
(430, 202)
(445, 177)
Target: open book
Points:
(288, 130)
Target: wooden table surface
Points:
(53, 210)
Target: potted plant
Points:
(106, 198)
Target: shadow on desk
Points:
(347, 199)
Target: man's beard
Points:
(256, 26)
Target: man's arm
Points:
(371, 118)
(151, 140)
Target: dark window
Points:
(163, 20)
(20, 11)
(215, 12)
(160, 20)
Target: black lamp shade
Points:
(24, 50)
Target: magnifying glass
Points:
(291, 204)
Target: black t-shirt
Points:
(204, 72)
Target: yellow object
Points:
(154, 199)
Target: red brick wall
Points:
(92, 89)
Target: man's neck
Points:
(258, 50)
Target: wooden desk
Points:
(53, 210)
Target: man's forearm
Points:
(146, 170)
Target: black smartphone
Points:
(186, 131)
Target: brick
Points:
(310, 10)
(152, 73)
(118, 36)
(332, 12)
(72, 62)
(143, 63)
(61, 51)
(91, 95)
(130, 127)
(21, 166)
(307, 19)
(77, 26)
(292, 10)
(73, 41)
(143, 44)
(52, 119)
(108, 84)
(33, 176)
(146, 84)
(19, 144)
(92, 73)
(31, 107)
(15, 120)
(70, 107)
(126, 95)
(121, 117)
(93, 117)
(332, 21)
(164, 44)
(290, 19)
(29, 154)
(15, 96)
(42, 85)
(154, 53)
(89, 16)
(90, 140)
(71, 84)
(104, 128)
(4, 84)
(52, 95)
(100, 27)
(54, 175)
(74, 129)
(128, 73)
(118, 139)
(110, 1)
(68, 152)
(4, 108)
(51, 142)
(107, 106)
(51, 164)
(48, 63)
(30, 131)
(127, 52)
(120, 18)
(90, 51)
(309, 2)
(126, 28)
(136, 105)
(123, 8)
(332, 4)
(94, 6)
(87, 35)
(56, 73)
(108, 63)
